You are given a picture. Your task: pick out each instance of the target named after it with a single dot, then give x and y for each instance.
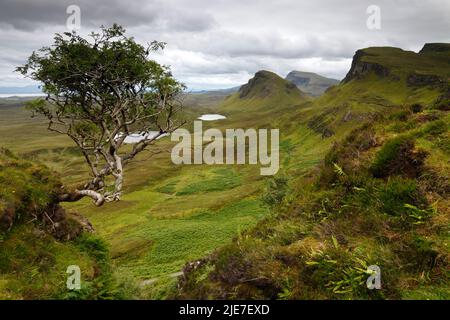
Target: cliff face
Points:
(435, 48)
(419, 80)
(360, 67)
(428, 67)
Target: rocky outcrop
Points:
(420, 80)
(361, 68)
(435, 48)
(443, 101)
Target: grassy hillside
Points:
(179, 214)
(39, 240)
(364, 180)
(380, 79)
(169, 214)
(266, 92)
(379, 197)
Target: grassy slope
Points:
(336, 220)
(169, 214)
(403, 63)
(266, 95)
(192, 210)
(33, 263)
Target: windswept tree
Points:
(100, 89)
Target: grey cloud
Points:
(30, 15)
(220, 43)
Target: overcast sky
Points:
(222, 43)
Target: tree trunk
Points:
(78, 194)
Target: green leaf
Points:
(335, 242)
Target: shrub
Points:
(104, 285)
(402, 199)
(276, 190)
(398, 156)
(435, 128)
(444, 144)
(443, 102)
(397, 192)
(416, 108)
(401, 115)
(420, 254)
(340, 271)
(339, 159)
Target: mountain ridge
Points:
(264, 83)
(396, 63)
(266, 92)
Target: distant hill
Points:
(265, 91)
(26, 89)
(226, 91)
(264, 84)
(310, 82)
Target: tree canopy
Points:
(99, 90)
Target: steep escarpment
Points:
(428, 67)
(361, 66)
(433, 48)
(380, 79)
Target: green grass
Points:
(221, 179)
(428, 293)
(31, 269)
(170, 215)
(404, 62)
(335, 221)
(32, 263)
(155, 230)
